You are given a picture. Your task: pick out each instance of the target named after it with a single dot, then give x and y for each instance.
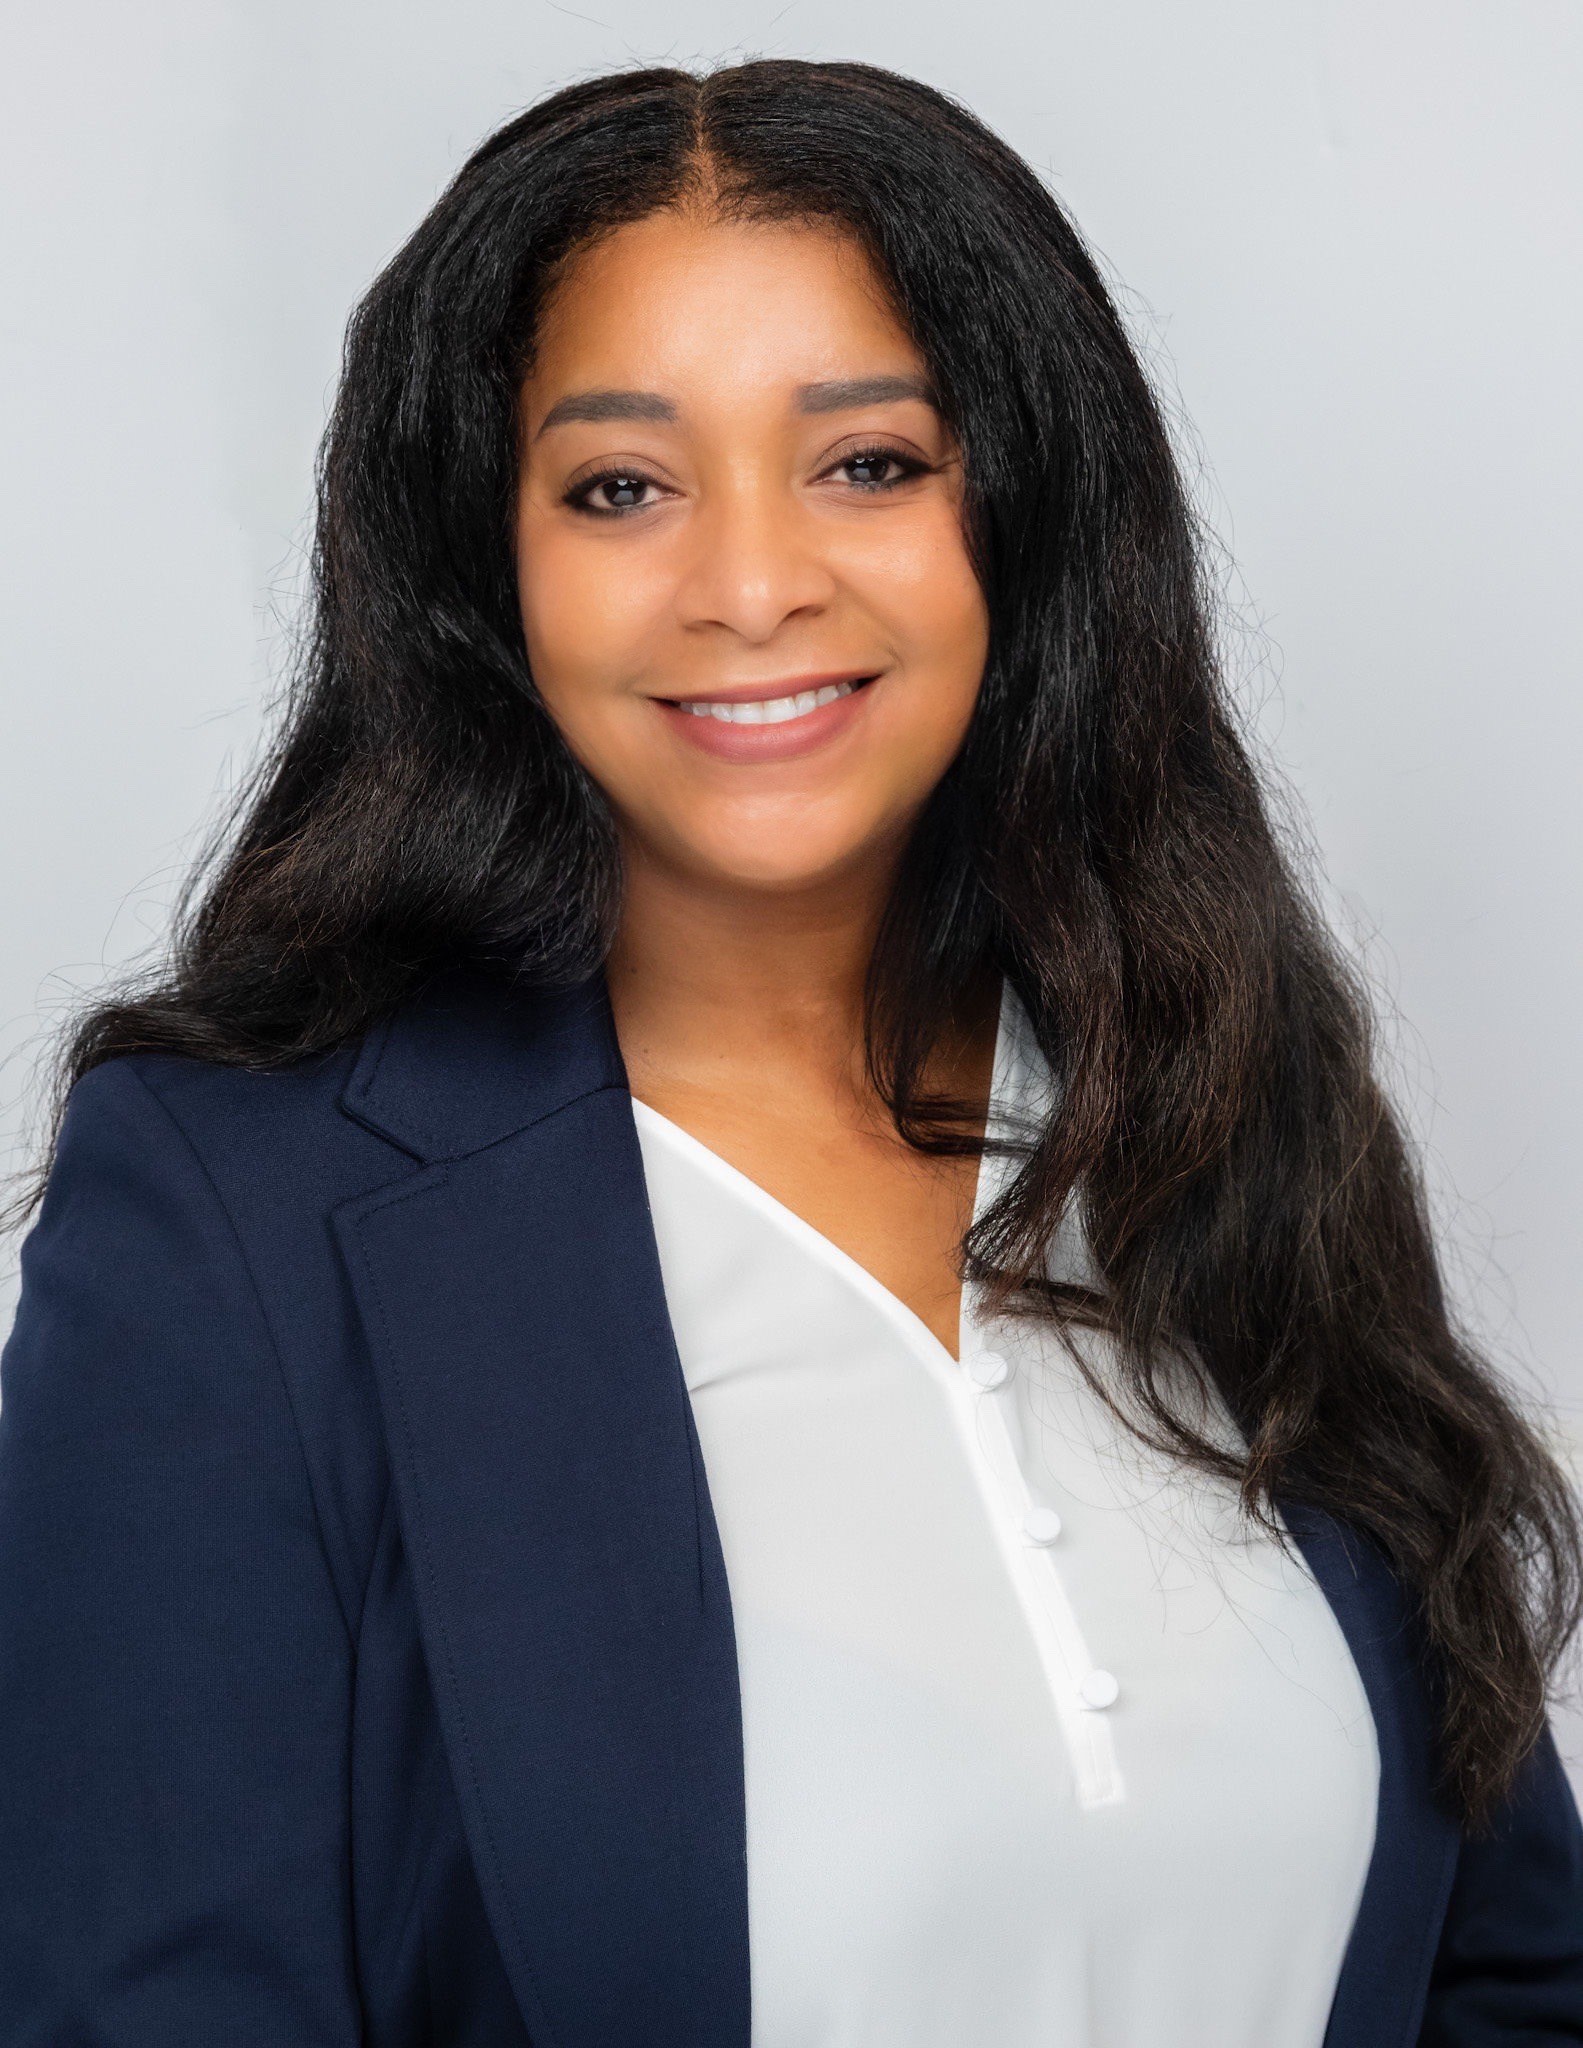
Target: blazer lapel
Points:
(567, 1569)
(1384, 1975)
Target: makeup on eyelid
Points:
(577, 494)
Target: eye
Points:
(873, 463)
(610, 493)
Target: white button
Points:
(987, 1369)
(1041, 1525)
(1098, 1689)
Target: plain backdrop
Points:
(1345, 237)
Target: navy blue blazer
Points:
(367, 1676)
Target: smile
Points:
(755, 730)
(769, 710)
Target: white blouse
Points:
(1042, 1748)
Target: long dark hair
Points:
(1102, 838)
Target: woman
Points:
(742, 1345)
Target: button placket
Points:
(1079, 1689)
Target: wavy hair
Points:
(1249, 1197)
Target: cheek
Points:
(580, 625)
(919, 566)
(921, 580)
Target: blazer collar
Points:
(571, 1590)
(473, 1058)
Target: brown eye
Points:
(609, 494)
(867, 468)
(880, 469)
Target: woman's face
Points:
(744, 585)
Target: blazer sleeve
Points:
(1509, 1967)
(174, 1661)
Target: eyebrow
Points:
(606, 405)
(846, 392)
(835, 395)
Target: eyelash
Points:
(877, 451)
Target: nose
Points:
(754, 563)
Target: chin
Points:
(782, 864)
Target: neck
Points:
(711, 984)
(721, 991)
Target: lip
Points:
(784, 741)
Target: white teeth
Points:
(771, 710)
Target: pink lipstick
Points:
(769, 721)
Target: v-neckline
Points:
(912, 1325)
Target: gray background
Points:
(1344, 232)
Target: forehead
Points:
(685, 301)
